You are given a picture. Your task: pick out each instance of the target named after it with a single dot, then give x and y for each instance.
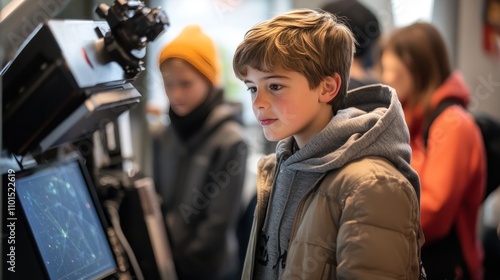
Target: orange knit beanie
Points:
(195, 47)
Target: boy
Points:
(338, 200)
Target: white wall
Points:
(445, 18)
(481, 72)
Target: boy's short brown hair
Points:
(310, 42)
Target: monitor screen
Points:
(64, 222)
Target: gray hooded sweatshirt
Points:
(371, 125)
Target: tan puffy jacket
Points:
(361, 222)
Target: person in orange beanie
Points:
(199, 160)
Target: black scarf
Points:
(186, 126)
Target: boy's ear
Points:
(330, 86)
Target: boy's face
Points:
(186, 88)
(284, 105)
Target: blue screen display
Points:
(65, 224)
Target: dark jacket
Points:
(201, 181)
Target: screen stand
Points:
(156, 228)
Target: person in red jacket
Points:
(452, 164)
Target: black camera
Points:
(132, 26)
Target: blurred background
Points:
(462, 23)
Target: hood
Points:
(453, 87)
(372, 124)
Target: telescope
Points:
(65, 81)
(71, 77)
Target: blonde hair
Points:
(310, 42)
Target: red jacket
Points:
(452, 171)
